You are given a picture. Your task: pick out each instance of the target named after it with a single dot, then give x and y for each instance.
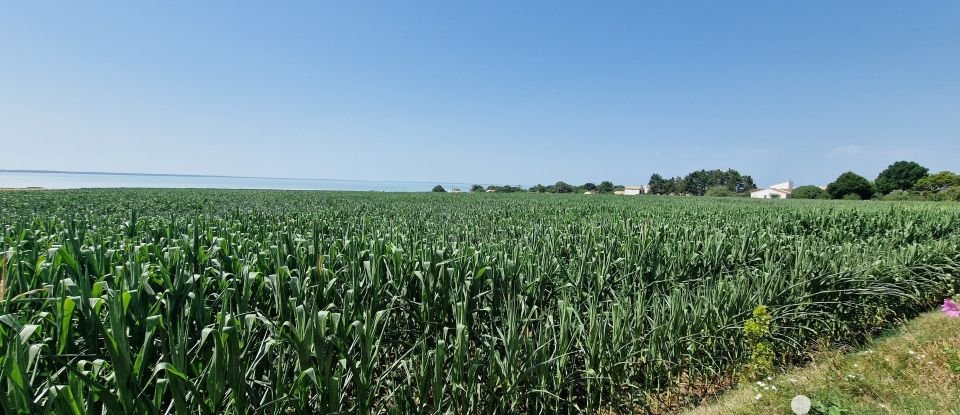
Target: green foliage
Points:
(809, 192)
(756, 335)
(658, 185)
(902, 175)
(937, 182)
(951, 194)
(506, 189)
(851, 196)
(900, 195)
(439, 189)
(605, 187)
(562, 187)
(476, 188)
(850, 183)
(719, 191)
(699, 182)
(277, 302)
(953, 359)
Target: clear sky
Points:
(491, 92)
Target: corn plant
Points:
(274, 302)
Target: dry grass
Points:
(907, 371)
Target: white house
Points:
(777, 191)
(636, 190)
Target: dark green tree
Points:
(677, 186)
(538, 188)
(476, 188)
(439, 189)
(658, 185)
(901, 175)
(697, 183)
(562, 187)
(850, 183)
(605, 187)
(590, 187)
(809, 192)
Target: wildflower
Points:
(758, 397)
(950, 308)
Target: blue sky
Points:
(491, 92)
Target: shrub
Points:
(809, 192)
(851, 196)
(719, 191)
(756, 334)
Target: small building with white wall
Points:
(777, 191)
(636, 190)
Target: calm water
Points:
(88, 180)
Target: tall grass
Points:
(150, 301)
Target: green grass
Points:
(274, 302)
(914, 369)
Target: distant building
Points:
(618, 192)
(588, 192)
(636, 190)
(777, 191)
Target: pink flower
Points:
(950, 308)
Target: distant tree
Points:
(508, 189)
(697, 183)
(605, 187)
(590, 187)
(902, 175)
(658, 185)
(476, 188)
(538, 189)
(677, 186)
(561, 187)
(850, 183)
(439, 189)
(718, 191)
(937, 182)
(809, 192)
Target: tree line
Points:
(605, 186)
(903, 180)
(704, 183)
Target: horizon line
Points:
(227, 176)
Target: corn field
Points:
(271, 302)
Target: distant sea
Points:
(79, 180)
